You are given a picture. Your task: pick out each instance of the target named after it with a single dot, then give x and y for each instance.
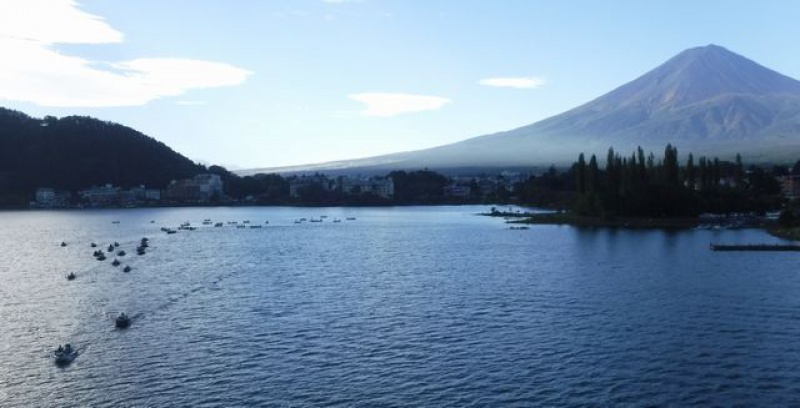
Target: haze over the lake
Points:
(265, 84)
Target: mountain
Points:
(76, 152)
(705, 100)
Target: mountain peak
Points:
(699, 74)
(707, 100)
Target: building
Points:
(457, 191)
(298, 184)
(790, 186)
(200, 188)
(46, 197)
(379, 186)
(102, 195)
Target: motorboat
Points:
(110, 248)
(121, 253)
(127, 268)
(93, 245)
(71, 276)
(63, 244)
(65, 354)
(122, 321)
(115, 262)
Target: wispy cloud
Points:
(34, 71)
(382, 104)
(190, 103)
(517, 82)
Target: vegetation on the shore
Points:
(643, 191)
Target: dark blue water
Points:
(401, 307)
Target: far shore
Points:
(562, 218)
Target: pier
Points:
(755, 247)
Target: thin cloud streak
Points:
(384, 104)
(514, 82)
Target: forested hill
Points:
(76, 152)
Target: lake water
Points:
(414, 306)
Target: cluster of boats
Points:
(64, 354)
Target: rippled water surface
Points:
(400, 307)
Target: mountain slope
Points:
(76, 152)
(706, 100)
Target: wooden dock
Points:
(755, 247)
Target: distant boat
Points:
(121, 253)
(115, 222)
(93, 245)
(127, 268)
(110, 248)
(219, 224)
(115, 262)
(64, 355)
(122, 321)
(71, 276)
(63, 244)
(350, 218)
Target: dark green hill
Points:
(76, 152)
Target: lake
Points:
(405, 306)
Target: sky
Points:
(268, 83)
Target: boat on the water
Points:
(127, 268)
(115, 262)
(122, 321)
(65, 354)
(71, 276)
(63, 244)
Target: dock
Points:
(755, 247)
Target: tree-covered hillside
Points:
(76, 152)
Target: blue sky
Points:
(249, 83)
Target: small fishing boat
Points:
(127, 268)
(122, 321)
(65, 354)
(115, 262)
(121, 253)
(63, 244)
(71, 276)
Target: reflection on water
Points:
(420, 306)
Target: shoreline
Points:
(617, 222)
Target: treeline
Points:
(646, 186)
(414, 187)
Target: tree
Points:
(580, 175)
